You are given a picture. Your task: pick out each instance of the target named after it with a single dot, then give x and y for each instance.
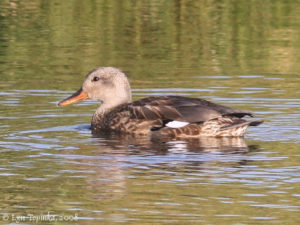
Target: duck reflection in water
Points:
(118, 157)
(163, 145)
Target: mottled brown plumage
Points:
(151, 116)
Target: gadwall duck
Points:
(172, 116)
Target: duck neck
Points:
(104, 109)
(98, 117)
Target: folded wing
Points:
(192, 110)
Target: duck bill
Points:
(78, 96)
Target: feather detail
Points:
(174, 116)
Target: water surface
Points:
(241, 55)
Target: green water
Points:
(243, 54)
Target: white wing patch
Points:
(176, 124)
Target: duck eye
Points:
(96, 79)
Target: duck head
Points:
(106, 84)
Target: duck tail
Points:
(243, 123)
(255, 123)
(237, 129)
